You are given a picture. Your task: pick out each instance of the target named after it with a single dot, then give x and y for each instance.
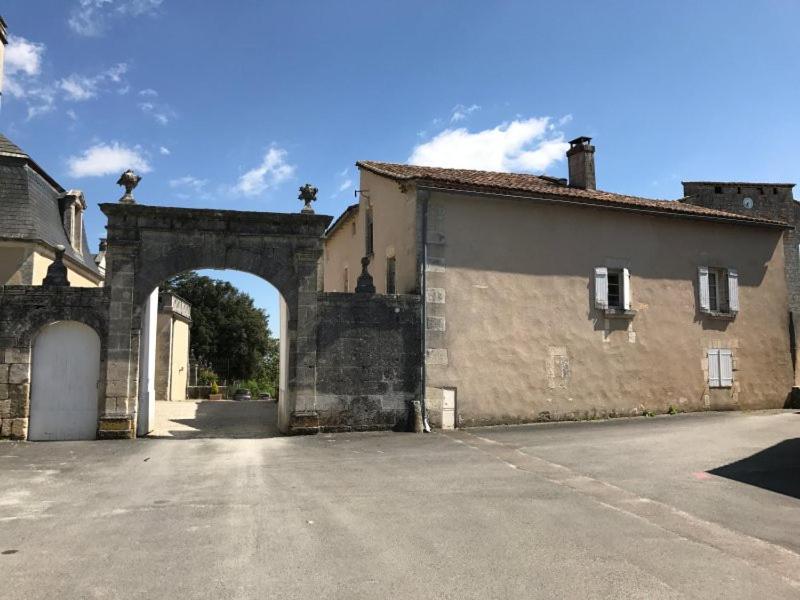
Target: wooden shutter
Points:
(702, 287)
(626, 289)
(713, 368)
(725, 368)
(601, 287)
(733, 290)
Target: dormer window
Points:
(72, 207)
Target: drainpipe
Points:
(423, 196)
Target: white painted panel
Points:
(449, 409)
(725, 368)
(733, 290)
(702, 286)
(713, 368)
(601, 287)
(147, 366)
(65, 376)
(626, 289)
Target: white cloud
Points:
(79, 88)
(164, 151)
(272, 171)
(107, 159)
(521, 145)
(23, 56)
(461, 112)
(148, 93)
(188, 182)
(345, 185)
(92, 17)
(23, 65)
(162, 113)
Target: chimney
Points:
(581, 164)
(4, 40)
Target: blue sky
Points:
(236, 104)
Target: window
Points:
(346, 282)
(368, 231)
(353, 228)
(719, 290)
(612, 289)
(720, 368)
(717, 189)
(391, 283)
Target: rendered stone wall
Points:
(23, 311)
(368, 362)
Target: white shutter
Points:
(733, 290)
(601, 287)
(713, 368)
(702, 287)
(626, 289)
(725, 368)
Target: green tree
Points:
(228, 332)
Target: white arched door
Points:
(65, 373)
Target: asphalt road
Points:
(691, 506)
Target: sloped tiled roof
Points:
(544, 187)
(29, 204)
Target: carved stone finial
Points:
(308, 194)
(57, 271)
(364, 285)
(129, 180)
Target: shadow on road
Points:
(776, 468)
(216, 419)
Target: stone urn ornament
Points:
(129, 180)
(308, 194)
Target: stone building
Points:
(37, 216)
(768, 201)
(172, 347)
(546, 298)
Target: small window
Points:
(612, 289)
(346, 281)
(761, 191)
(738, 190)
(391, 278)
(368, 234)
(717, 189)
(353, 228)
(720, 368)
(775, 191)
(719, 290)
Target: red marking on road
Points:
(701, 475)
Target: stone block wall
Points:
(24, 310)
(369, 367)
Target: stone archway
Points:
(148, 244)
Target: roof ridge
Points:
(529, 185)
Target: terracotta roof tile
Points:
(544, 187)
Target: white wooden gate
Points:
(65, 374)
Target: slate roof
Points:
(545, 187)
(29, 204)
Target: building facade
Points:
(769, 201)
(172, 347)
(38, 216)
(547, 299)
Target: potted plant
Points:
(215, 393)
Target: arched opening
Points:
(210, 356)
(65, 382)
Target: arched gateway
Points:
(149, 244)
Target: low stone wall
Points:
(24, 310)
(368, 362)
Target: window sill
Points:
(618, 313)
(721, 316)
